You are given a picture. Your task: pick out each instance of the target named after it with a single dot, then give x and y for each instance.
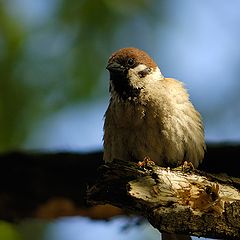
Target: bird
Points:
(149, 116)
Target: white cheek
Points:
(138, 82)
(139, 68)
(157, 75)
(135, 80)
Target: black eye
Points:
(130, 62)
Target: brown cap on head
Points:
(140, 57)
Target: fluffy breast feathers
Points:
(161, 123)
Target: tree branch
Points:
(50, 185)
(173, 201)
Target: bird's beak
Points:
(115, 67)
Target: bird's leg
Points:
(146, 162)
(187, 166)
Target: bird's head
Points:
(130, 70)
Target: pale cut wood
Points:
(173, 200)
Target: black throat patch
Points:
(121, 85)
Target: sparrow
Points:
(149, 116)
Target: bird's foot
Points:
(146, 162)
(187, 167)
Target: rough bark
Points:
(174, 201)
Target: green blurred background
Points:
(54, 86)
(53, 54)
